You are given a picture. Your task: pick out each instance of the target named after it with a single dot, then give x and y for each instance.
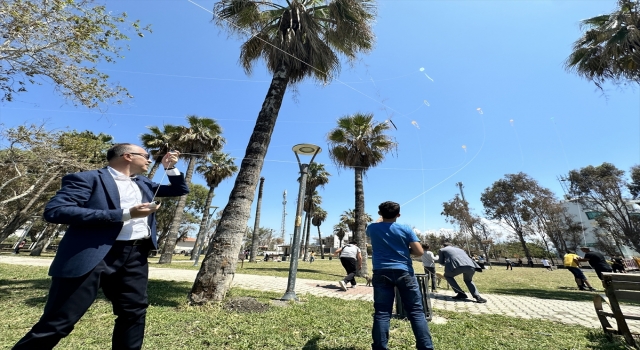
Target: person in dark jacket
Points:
(457, 262)
(112, 228)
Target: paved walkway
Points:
(570, 312)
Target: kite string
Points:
(484, 137)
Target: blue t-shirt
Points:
(390, 244)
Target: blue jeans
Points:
(384, 283)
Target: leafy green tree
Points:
(359, 143)
(302, 39)
(200, 138)
(319, 216)
(34, 162)
(510, 200)
(215, 169)
(62, 41)
(603, 189)
(608, 49)
(457, 212)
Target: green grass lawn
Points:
(525, 281)
(316, 323)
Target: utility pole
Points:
(460, 185)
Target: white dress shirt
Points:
(130, 195)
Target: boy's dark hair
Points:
(118, 150)
(389, 210)
(352, 241)
(425, 246)
(446, 243)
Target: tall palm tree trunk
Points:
(360, 234)
(219, 265)
(320, 241)
(203, 225)
(154, 168)
(308, 235)
(166, 255)
(256, 225)
(23, 215)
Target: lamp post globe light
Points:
(303, 149)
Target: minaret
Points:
(284, 215)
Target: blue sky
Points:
(505, 57)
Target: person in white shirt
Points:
(351, 259)
(546, 264)
(429, 264)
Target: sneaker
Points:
(592, 289)
(353, 286)
(343, 285)
(480, 299)
(460, 296)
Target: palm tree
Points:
(317, 177)
(302, 39)
(215, 169)
(610, 47)
(195, 142)
(340, 230)
(319, 216)
(158, 143)
(311, 202)
(359, 143)
(256, 226)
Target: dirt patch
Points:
(245, 305)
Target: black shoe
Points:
(592, 289)
(460, 296)
(582, 288)
(480, 299)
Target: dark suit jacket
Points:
(89, 203)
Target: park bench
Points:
(618, 286)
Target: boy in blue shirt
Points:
(393, 245)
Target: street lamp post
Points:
(308, 150)
(200, 239)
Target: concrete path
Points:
(569, 312)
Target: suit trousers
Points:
(467, 273)
(122, 275)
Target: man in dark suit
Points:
(112, 227)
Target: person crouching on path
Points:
(457, 262)
(429, 264)
(597, 261)
(351, 259)
(392, 245)
(571, 263)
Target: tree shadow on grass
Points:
(312, 344)
(560, 294)
(602, 342)
(286, 269)
(161, 293)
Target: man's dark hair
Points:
(118, 150)
(352, 241)
(571, 251)
(425, 246)
(389, 210)
(446, 244)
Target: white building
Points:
(585, 216)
